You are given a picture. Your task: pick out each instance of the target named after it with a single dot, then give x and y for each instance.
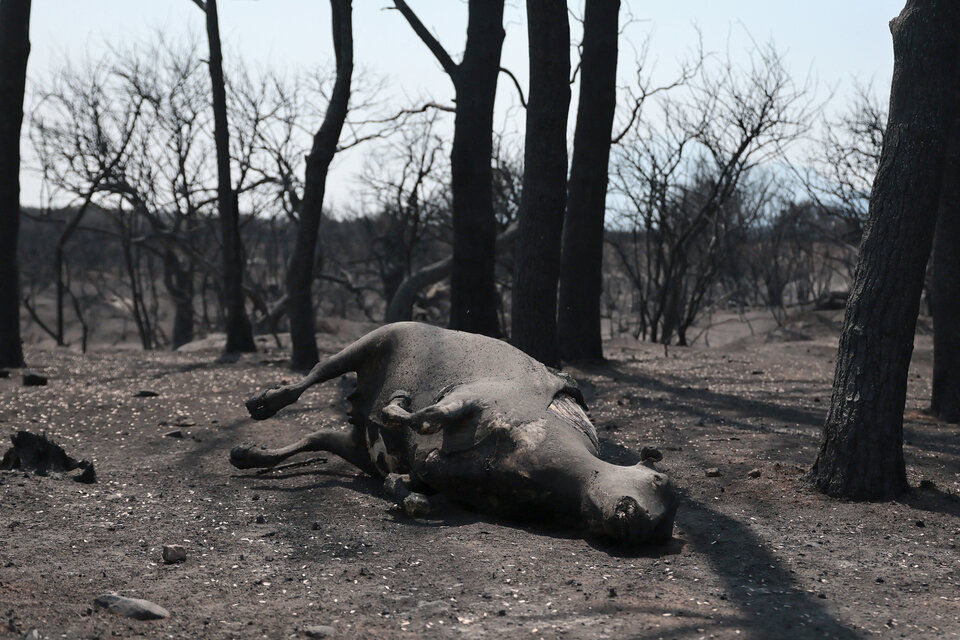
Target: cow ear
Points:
(650, 456)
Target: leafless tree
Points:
(681, 178)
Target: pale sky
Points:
(837, 42)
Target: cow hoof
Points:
(266, 404)
(244, 457)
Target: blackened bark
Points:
(14, 50)
(179, 283)
(861, 450)
(581, 264)
(300, 272)
(473, 293)
(238, 329)
(945, 294)
(542, 203)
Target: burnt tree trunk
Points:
(861, 449)
(14, 50)
(945, 294)
(542, 203)
(238, 329)
(581, 264)
(178, 281)
(473, 292)
(300, 272)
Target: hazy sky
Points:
(837, 41)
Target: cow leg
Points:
(346, 444)
(429, 419)
(266, 403)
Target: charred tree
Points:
(581, 264)
(542, 204)
(473, 293)
(945, 291)
(301, 270)
(861, 448)
(238, 328)
(15, 36)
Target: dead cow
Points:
(480, 421)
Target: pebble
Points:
(33, 634)
(754, 473)
(31, 379)
(173, 553)
(319, 631)
(131, 607)
(261, 520)
(416, 505)
(146, 393)
(712, 472)
(176, 433)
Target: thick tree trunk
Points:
(238, 329)
(542, 204)
(473, 292)
(861, 450)
(581, 265)
(945, 294)
(300, 272)
(14, 50)
(179, 283)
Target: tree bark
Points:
(581, 264)
(945, 293)
(300, 272)
(179, 283)
(14, 51)
(861, 450)
(473, 291)
(542, 204)
(238, 329)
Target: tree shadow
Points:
(773, 605)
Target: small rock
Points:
(754, 473)
(416, 505)
(33, 634)
(184, 421)
(879, 580)
(176, 433)
(319, 631)
(173, 553)
(131, 607)
(712, 472)
(316, 526)
(927, 484)
(611, 592)
(921, 524)
(31, 379)
(146, 393)
(397, 485)
(261, 520)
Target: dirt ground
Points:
(271, 555)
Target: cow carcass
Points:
(475, 419)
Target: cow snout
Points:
(634, 510)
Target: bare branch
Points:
(516, 83)
(451, 67)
